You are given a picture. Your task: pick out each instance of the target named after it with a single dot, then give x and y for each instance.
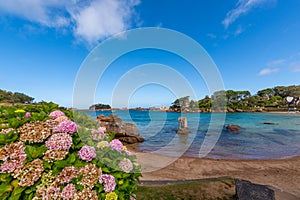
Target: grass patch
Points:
(222, 189)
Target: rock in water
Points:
(246, 190)
(233, 128)
(125, 132)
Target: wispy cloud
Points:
(267, 71)
(277, 62)
(211, 35)
(89, 21)
(295, 66)
(238, 31)
(242, 8)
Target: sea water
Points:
(255, 140)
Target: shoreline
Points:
(282, 175)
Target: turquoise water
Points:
(255, 140)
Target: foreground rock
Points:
(125, 132)
(246, 190)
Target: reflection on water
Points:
(255, 140)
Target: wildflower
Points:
(67, 174)
(20, 111)
(34, 132)
(90, 174)
(56, 114)
(126, 165)
(108, 181)
(30, 173)
(111, 196)
(68, 192)
(53, 155)
(66, 126)
(87, 153)
(27, 115)
(116, 145)
(102, 144)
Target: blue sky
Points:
(254, 43)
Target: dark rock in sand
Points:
(233, 128)
(125, 132)
(246, 190)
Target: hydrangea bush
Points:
(44, 154)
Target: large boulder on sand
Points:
(246, 190)
(125, 132)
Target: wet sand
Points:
(281, 175)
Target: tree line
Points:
(14, 97)
(277, 98)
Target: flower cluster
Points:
(68, 192)
(13, 156)
(87, 153)
(59, 141)
(5, 131)
(90, 174)
(108, 181)
(102, 144)
(86, 193)
(126, 165)
(99, 134)
(56, 114)
(67, 174)
(66, 126)
(61, 118)
(53, 155)
(111, 196)
(34, 132)
(30, 173)
(116, 145)
(27, 115)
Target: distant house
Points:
(164, 108)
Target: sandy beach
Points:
(281, 175)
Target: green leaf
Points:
(5, 188)
(8, 138)
(34, 152)
(17, 193)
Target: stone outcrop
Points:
(246, 190)
(125, 132)
(233, 128)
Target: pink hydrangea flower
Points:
(59, 141)
(66, 126)
(116, 145)
(27, 115)
(108, 181)
(68, 192)
(87, 153)
(55, 114)
(126, 165)
(102, 129)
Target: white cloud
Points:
(242, 8)
(274, 63)
(267, 71)
(90, 21)
(211, 35)
(238, 31)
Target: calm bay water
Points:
(255, 140)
